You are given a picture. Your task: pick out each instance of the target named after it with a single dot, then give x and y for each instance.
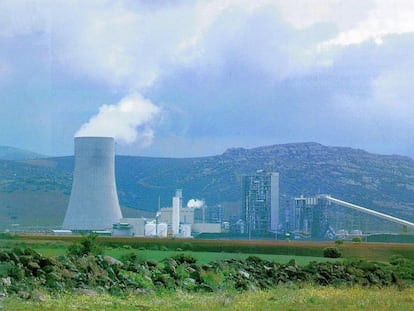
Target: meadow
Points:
(281, 298)
(50, 245)
(156, 254)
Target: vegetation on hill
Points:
(16, 154)
(385, 183)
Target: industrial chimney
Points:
(93, 203)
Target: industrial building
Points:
(93, 203)
(183, 220)
(311, 217)
(209, 214)
(260, 203)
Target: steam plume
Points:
(127, 121)
(195, 203)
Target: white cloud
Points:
(130, 46)
(133, 46)
(384, 18)
(127, 122)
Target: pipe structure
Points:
(367, 211)
(93, 203)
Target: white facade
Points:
(93, 203)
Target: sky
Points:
(194, 78)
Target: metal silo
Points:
(93, 203)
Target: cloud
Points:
(127, 122)
(383, 19)
(216, 67)
(132, 45)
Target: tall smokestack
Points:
(176, 206)
(93, 203)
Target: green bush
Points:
(331, 252)
(184, 258)
(88, 245)
(339, 242)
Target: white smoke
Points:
(128, 121)
(195, 203)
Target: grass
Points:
(56, 245)
(206, 257)
(281, 298)
(50, 250)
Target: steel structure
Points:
(260, 203)
(367, 211)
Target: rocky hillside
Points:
(385, 183)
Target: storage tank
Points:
(186, 230)
(150, 229)
(93, 203)
(162, 230)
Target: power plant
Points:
(93, 203)
(94, 206)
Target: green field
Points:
(202, 257)
(56, 245)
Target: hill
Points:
(383, 182)
(16, 154)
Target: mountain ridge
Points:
(17, 154)
(382, 182)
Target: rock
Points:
(33, 265)
(45, 261)
(112, 261)
(244, 274)
(6, 281)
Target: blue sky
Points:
(193, 78)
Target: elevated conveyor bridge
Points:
(405, 223)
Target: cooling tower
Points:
(93, 203)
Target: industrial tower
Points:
(260, 203)
(93, 203)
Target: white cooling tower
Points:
(93, 203)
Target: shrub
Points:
(331, 252)
(357, 240)
(184, 258)
(88, 245)
(339, 242)
(187, 246)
